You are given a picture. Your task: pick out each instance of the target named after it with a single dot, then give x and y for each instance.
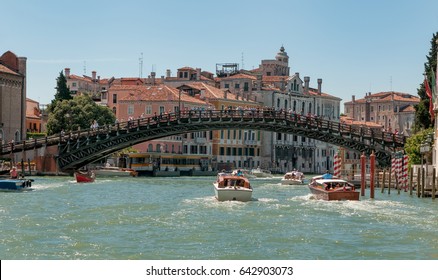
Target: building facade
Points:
(12, 97)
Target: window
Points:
(114, 98)
(268, 73)
(148, 110)
(227, 86)
(222, 151)
(73, 84)
(162, 111)
(237, 86)
(186, 75)
(278, 102)
(245, 86)
(130, 110)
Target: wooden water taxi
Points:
(232, 187)
(333, 189)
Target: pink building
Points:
(133, 102)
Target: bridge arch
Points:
(80, 148)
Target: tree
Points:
(62, 91)
(412, 146)
(422, 115)
(77, 113)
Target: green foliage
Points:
(422, 116)
(77, 113)
(34, 135)
(62, 91)
(412, 146)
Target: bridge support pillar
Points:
(362, 174)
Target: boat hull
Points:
(334, 195)
(118, 173)
(14, 185)
(84, 178)
(232, 194)
(291, 182)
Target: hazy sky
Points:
(354, 46)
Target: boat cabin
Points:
(233, 181)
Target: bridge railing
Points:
(308, 121)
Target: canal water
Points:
(179, 219)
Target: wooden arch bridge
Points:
(79, 148)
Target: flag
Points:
(433, 86)
(429, 94)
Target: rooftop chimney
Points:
(306, 84)
(198, 74)
(67, 72)
(153, 78)
(93, 75)
(353, 98)
(168, 73)
(319, 86)
(259, 82)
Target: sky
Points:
(354, 46)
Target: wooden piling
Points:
(390, 180)
(372, 173)
(383, 180)
(433, 183)
(362, 174)
(411, 174)
(423, 181)
(418, 181)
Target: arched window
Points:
(278, 102)
(295, 106)
(158, 148)
(114, 110)
(285, 104)
(302, 107)
(310, 108)
(17, 137)
(150, 148)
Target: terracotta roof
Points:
(387, 96)
(4, 69)
(238, 76)
(212, 92)
(154, 93)
(274, 78)
(313, 91)
(350, 121)
(186, 68)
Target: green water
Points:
(179, 218)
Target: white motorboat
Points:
(261, 173)
(232, 187)
(243, 172)
(114, 171)
(293, 178)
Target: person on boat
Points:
(327, 175)
(14, 173)
(239, 172)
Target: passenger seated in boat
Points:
(14, 173)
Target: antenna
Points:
(390, 83)
(85, 67)
(140, 62)
(243, 65)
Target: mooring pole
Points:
(362, 174)
(372, 173)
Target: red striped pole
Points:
(372, 171)
(362, 174)
(337, 166)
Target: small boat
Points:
(115, 171)
(261, 173)
(242, 172)
(333, 189)
(232, 187)
(293, 178)
(85, 177)
(11, 185)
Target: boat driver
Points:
(14, 173)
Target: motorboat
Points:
(333, 189)
(11, 185)
(115, 171)
(293, 178)
(261, 173)
(232, 187)
(85, 177)
(243, 172)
